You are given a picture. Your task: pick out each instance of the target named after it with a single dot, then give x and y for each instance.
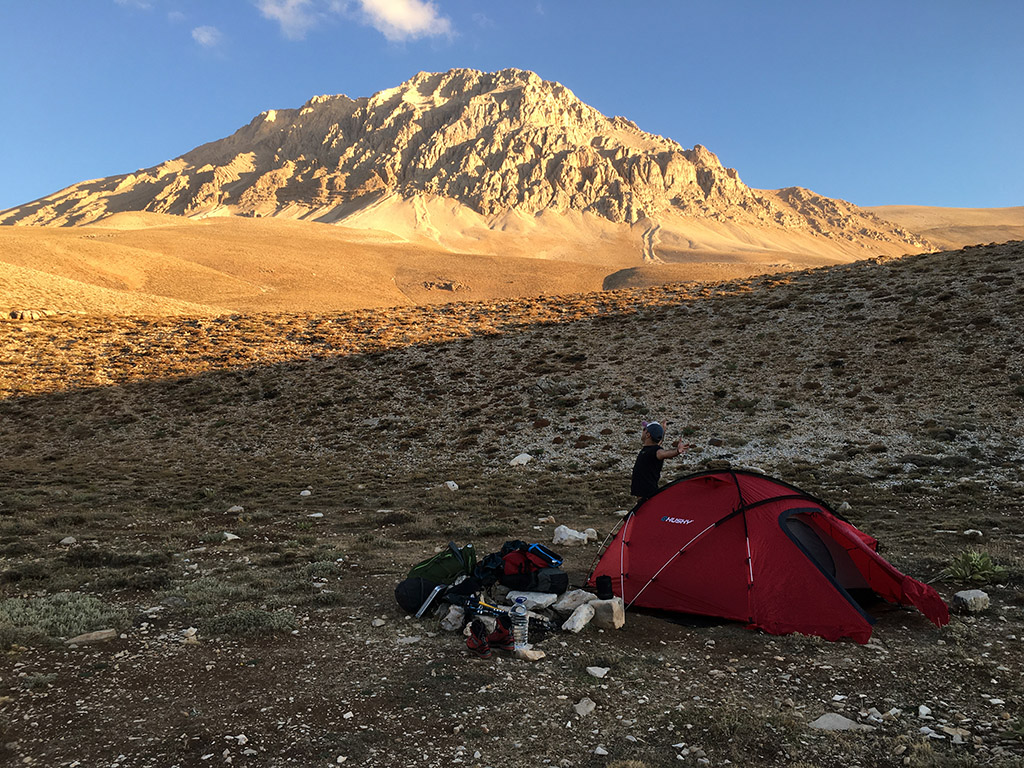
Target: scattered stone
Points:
(190, 636)
(534, 601)
(620, 512)
(529, 654)
(600, 751)
(585, 707)
(549, 519)
(970, 601)
(598, 671)
(591, 534)
(67, 541)
(306, 492)
(973, 533)
(716, 441)
(230, 536)
(521, 460)
(100, 636)
(832, 721)
(572, 600)
(380, 622)
(567, 537)
(236, 510)
(316, 515)
(579, 619)
(410, 640)
(924, 712)
(451, 485)
(609, 614)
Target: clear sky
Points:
(917, 102)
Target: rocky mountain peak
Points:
(493, 141)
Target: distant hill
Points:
(957, 227)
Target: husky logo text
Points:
(676, 520)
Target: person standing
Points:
(647, 468)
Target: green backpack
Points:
(445, 567)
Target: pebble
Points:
(598, 671)
(67, 541)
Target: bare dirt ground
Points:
(896, 386)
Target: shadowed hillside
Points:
(894, 385)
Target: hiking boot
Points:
(477, 640)
(501, 638)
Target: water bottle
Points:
(520, 624)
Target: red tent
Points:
(743, 546)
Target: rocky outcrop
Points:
(494, 142)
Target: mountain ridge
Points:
(494, 142)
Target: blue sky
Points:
(917, 102)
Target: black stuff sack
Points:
(418, 596)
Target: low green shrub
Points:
(973, 567)
(66, 614)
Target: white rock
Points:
(521, 460)
(377, 623)
(585, 707)
(236, 510)
(572, 600)
(67, 541)
(832, 721)
(453, 620)
(451, 485)
(316, 514)
(973, 533)
(609, 614)
(230, 536)
(530, 654)
(579, 619)
(970, 601)
(534, 601)
(567, 537)
(100, 636)
(923, 711)
(242, 739)
(306, 492)
(409, 640)
(600, 751)
(620, 512)
(598, 671)
(591, 534)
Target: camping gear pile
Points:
(743, 546)
(454, 579)
(731, 544)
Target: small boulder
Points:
(230, 536)
(609, 614)
(529, 654)
(832, 721)
(572, 600)
(237, 509)
(454, 619)
(451, 485)
(534, 601)
(100, 636)
(585, 707)
(521, 460)
(598, 671)
(970, 601)
(579, 619)
(567, 537)
(68, 541)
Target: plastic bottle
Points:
(520, 624)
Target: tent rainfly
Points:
(743, 546)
